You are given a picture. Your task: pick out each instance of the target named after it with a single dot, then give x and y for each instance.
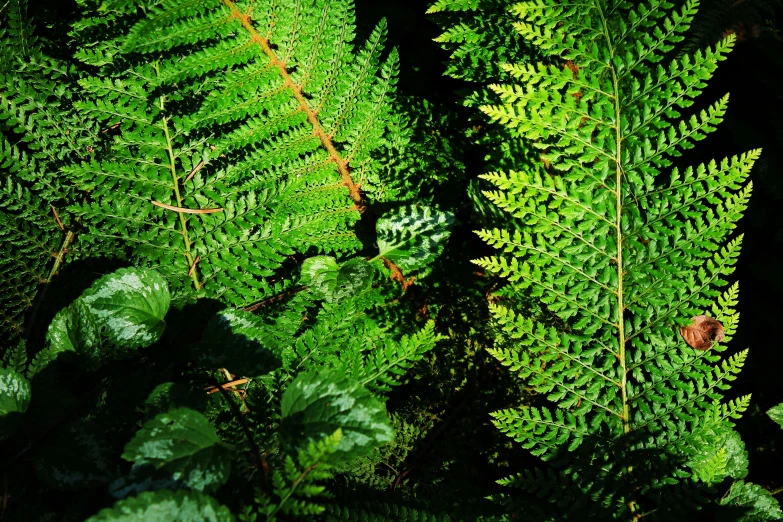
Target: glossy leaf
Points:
(183, 443)
(14, 392)
(73, 329)
(130, 305)
(333, 282)
(315, 405)
(748, 502)
(411, 237)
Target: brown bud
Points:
(702, 332)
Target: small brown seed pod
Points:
(701, 333)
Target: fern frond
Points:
(241, 136)
(619, 248)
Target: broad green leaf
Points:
(332, 282)
(776, 414)
(130, 304)
(411, 237)
(77, 456)
(170, 395)
(320, 274)
(232, 340)
(748, 502)
(315, 405)
(183, 443)
(73, 329)
(165, 506)
(14, 392)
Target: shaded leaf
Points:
(748, 502)
(315, 405)
(130, 304)
(232, 340)
(144, 478)
(76, 458)
(702, 331)
(411, 237)
(165, 506)
(183, 443)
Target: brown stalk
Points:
(186, 210)
(312, 117)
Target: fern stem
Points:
(291, 490)
(618, 193)
(175, 185)
(58, 261)
(312, 116)
(260, 461)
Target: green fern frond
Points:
(241, 136)
(39, 133)
(620, 247)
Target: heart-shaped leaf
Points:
(131, 304)
(183, 443)
(412, 237)
(73, 329)
(315, 405)
(333, 282)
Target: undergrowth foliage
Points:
(225, 252)
(225, 152)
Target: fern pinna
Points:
(39, 133)
(237, 134)
(620, 248)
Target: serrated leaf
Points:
(411, 237)
(232, 339)
(748, 502)
(76, 457)
(130, 304)
(183, 443)
(725, 456)
(776, 414)
(332, 282)
(165, 506)
(315, 405)
(14, 392)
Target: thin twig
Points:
(260, 461)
